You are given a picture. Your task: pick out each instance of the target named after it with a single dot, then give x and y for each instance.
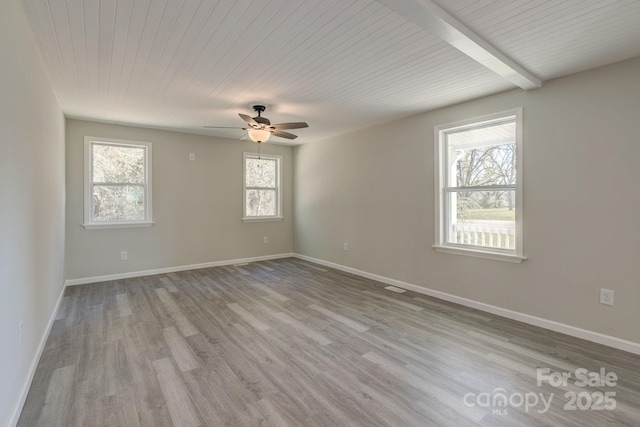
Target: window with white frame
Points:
(117, 183)
(479, 187)
(262, 194)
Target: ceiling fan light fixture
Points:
(259, 135)
(260, 128)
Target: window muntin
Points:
(479, 197)
(262, 198)
(117, 183)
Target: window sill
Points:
(498, 256)
(117, 225)
(262, 219)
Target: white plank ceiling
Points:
(340, 65)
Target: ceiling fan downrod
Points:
(259, 109)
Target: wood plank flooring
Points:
(290, 343)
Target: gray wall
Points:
(197, 205)
(375, 190)
(31, 202)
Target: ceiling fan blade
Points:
(294, 125)
(248, 119)
(223, 127)
(284, 134)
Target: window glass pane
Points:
(261, 173)
(482, 156)
(261, 202)
(482, 218)
(117, 164)
(118, 203)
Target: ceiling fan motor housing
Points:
(262, 120)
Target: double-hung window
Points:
(479, 187)
(117, 183)
(262, 194)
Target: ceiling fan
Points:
(260, 128)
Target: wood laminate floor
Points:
(290, 343)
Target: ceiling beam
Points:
(438, 21)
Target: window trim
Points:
(278, 216)
(88, 185)
(516, 255)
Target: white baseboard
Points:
(17, 409)
(95, 279)
(630, 346)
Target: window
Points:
(117, 183)
(479, 193)
(262, 198)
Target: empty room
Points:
(319, 213)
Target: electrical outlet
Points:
(345, 246)
(192, 156)
(20, 327)
(265, 239)
(606, 296)
(123, 255)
